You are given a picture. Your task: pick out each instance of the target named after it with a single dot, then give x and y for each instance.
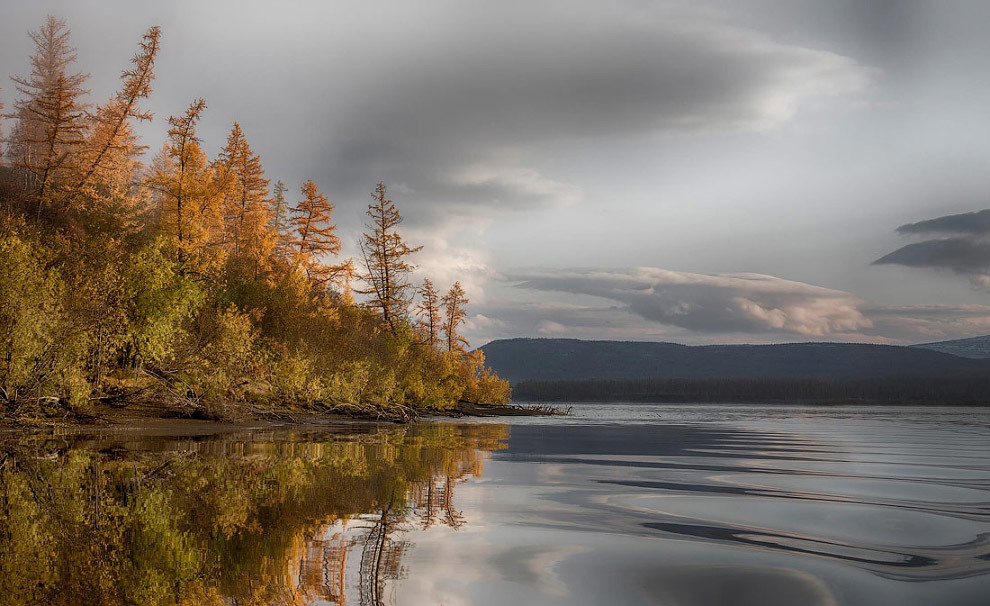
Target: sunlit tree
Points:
(183, 181)
(315, 237)
(241, 182)
(384, 253)
(109, 160)
(428, 310)
(454, 303)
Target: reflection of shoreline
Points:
(226, 518)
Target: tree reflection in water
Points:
(231, 519)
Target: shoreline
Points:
(168, 422)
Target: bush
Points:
(31, 322)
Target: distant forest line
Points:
(972, 389)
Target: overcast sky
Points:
(698, 172)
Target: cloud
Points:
(963, 255)
(963, 246)
(921, 323)
(556, 72)
(466, 117)
(687, 302)
(463, 114)
(916, 324)
(976, 223)
(513, 186)
(725, 303)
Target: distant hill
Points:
(575, 360)
(975, 347)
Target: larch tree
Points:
(346, 272)
(429, 312)
(110, 156)
(384, 253)
(454, 303)
(183, 182)
(314, 235)
(51, 128)
(278, 220)
(240, 177)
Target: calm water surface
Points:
(615, 505)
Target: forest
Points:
(196, 286)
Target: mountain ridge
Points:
(527, 359)
(971, 347)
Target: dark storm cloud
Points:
(975, 223)
(740, 303)
(451, 103)
(964, 247)
(480, 99)
(960, 254)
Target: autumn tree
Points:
(315, 237)
(51, 127)
(112, 146)
(344, 276)
(454, 303)
(183, 182)
(278, 219)
(240, 178)
(384, 253)
(429, 312)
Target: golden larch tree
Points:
(241, 180)
(314, 235)
(384, 253)
(183, 182)
(110, 158)
(429, 312)
(454, 303)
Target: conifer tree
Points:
(51, 129)
(384, 253)
(240, 177)
(346, 272)
(183, 181)
(315, 236)
(429, 312)
(112, 146)
(278, 222)
(454, 303)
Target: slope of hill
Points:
(576, 360)
(975, 347)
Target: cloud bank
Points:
(442, 110)
(728, 303)
(650, 304)
(962, 244)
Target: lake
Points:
(616, 504)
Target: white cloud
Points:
(749, 303)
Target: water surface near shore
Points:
(617, 504)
